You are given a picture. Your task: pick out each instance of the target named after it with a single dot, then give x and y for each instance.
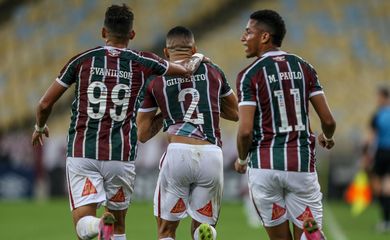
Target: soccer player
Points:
(102, 134)
(274, 137)
(191, 171)
(380, 141)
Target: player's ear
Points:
(132, 34)
(104, 33)
(194, 50)
(265, 37)
(166, 53)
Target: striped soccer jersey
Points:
(107, 84)
(193, 103)
(280, 85)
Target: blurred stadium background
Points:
(346, 40)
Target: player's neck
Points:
(267, 49)
(116, 44)
(179, 56)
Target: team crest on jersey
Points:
(119, 196)
(179, 207)
(305, 215)
(279, 58)
(207, 210)
(113, 52)
(89, 188)
(277, 211)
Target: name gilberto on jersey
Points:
(194, 78)
(285, 76)
(110, 72)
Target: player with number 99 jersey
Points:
(107, 81)
(190, 106)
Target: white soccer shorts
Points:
(104, 182)
(280, 195)
(190, 182)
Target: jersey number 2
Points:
(283, 111)
(194, 102)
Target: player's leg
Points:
(166, 229)
(304, 205)
(119, 180)
(86, 192)
(172, 190)
(267, 193)
(206, 192)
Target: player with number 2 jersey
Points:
(191, 172)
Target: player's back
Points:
(191, 106)
(280, 86)
(107, 83)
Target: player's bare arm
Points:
(244, 136)
(328, 123)
(186, 68)
(149, 124)
(53, 93)
(229, 107)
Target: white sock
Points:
(119, 236)
(168, 238)
(303, 237)
(88, 227)
(196, 233)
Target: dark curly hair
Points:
(274, 22)
(119, 21)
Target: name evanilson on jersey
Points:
(111, 72)
(285, 76)
(194, 78)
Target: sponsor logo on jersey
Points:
(207, 210)
(305, 215)
(277, 211)
(89, 188)
(279, 58)
(179, 207)
(119, 196)
(114, 52)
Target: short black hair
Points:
(274, 21)
(119, 21)
(180, 32)
(384, 91)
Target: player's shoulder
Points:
(300, 59)
(213, 67)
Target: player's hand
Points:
(239, 167)
(324, 142)
(37, 136)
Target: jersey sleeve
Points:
(152, 64)
(67, 75)
(226, 90)
(148, 102)
(315, 87)
(245, 90)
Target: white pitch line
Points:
(334, 229)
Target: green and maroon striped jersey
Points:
(107, 84)
(280, 85)
(190, 106)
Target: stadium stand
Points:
(346, 40)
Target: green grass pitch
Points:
(51, 220)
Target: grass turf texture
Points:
(52, 220)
